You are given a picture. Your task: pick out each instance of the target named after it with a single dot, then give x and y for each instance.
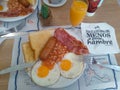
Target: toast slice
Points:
(38, 40)
(28, 52)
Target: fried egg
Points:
(43, 76)
(3, 6)
(71, 65)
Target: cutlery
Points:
(94, 61)
(16, 67)
(6, 35)
(12, 30)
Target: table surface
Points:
(109, 12)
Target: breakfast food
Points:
(57, 56)
(32, 2)
(71, 65)
(24, 3)
(71, 42)
(43, 76)
(28, 52)
(38, 40)
(52, 52)
(17, 8)
(1, 7)
(48, 48)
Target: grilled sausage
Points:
(25, 3)
(48, 48)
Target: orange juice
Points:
(78, 11)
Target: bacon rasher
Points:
(71, 42)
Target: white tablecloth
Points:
(93, 78)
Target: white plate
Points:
(55, 5)
(62, 82)
(10, 19)
(1, 40)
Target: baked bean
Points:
(56, 54)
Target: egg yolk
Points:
(48, 64)
(1, 7)
(43, 71)
(65, 65)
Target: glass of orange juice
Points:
(78, 11)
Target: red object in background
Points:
(92, 6)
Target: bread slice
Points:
(28, 52)
(32, 2)
(39, 39)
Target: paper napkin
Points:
(100, 38)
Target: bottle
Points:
(93, 5)
(100, 3)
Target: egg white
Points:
(4, 4)
(50, 79)
(76, 68)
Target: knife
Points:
(14, 34)
(13, 31)
(16, 67)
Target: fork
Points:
(13, 29)
(114, 67)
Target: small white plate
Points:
(11, 19)
(55, 5)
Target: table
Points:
(109, 12)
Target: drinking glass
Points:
(78, 11)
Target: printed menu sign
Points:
(100, 38)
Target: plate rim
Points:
(72, 80)
(11, 19)
(55, 5)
